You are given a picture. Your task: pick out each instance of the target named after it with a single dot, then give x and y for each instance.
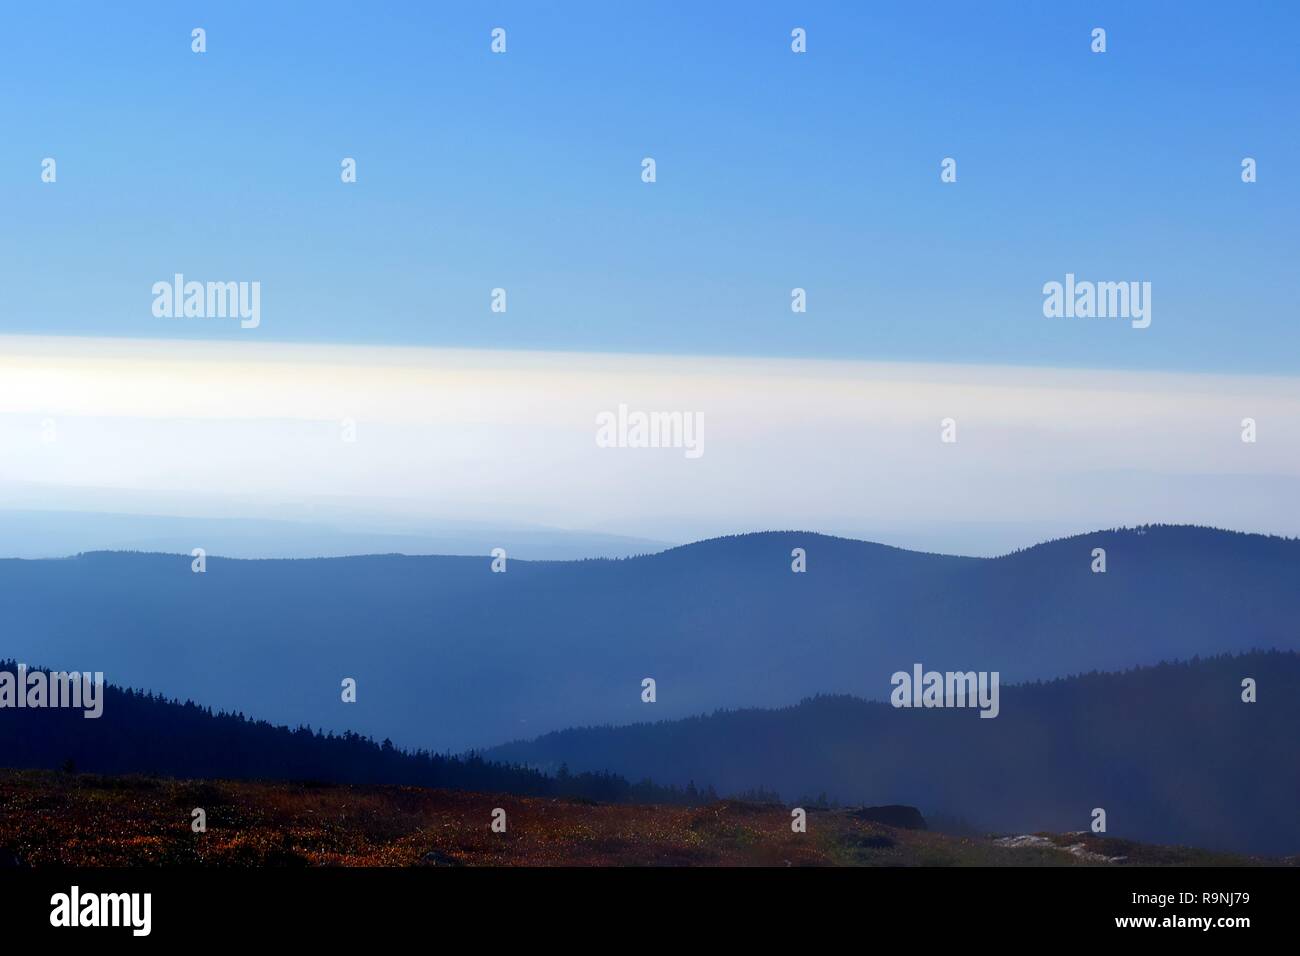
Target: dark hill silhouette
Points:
(449, 656)
(145, 733)
(1170, 752)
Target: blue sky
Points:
(774, 171)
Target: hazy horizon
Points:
(47, 531)
(406, 441)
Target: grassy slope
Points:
(48, 818)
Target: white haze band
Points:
(41, 689)
(949, 689)
(212, 300)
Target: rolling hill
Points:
(145, 733)
(1170, 752)
(448, 655)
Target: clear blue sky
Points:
(775, 171)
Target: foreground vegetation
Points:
(85, 819)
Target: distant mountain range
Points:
(1171, 753)
(448, 655)
(56, 534)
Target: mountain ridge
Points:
(667, 549)
(450, 656)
